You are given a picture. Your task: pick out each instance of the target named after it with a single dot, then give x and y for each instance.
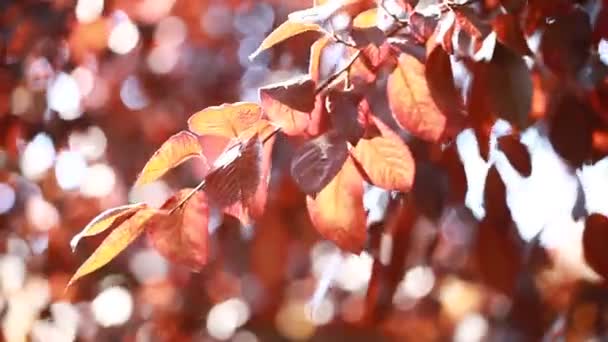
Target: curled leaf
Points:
(182, 235)
(318, 161)
(227, 120)
(177, 149)
(387, 162)
(106, 220)
(285, 31)
(337, 211)
(235, 174)
(115, 243)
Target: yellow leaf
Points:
(337, 211)
(177, 149)
(227, 120)
(285, 31)
(115, 243)
(105, 220)
(366, 19)
(387, 162)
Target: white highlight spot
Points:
(113, 306)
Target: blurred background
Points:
(89, 89)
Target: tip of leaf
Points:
(254, 55)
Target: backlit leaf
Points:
(107, 219)
(115, 243)
(226, 120)
(182, 235)
(411, 103)
(366, 19)
(387, 162)
(285, 31)
(235, 174)
(317, 161)
(177, 149)
(289, 104)
(337, 211)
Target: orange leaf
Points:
(115, 243)
(366, 19)
(227, 120)
(316, 53)
(285, 31)
(106, 220)
(337, 211)
(177, 149)
(182, 236)
(387, 162)
(411, 102)
(289, 104)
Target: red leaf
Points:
(411, 102)
(289, 104)
(177, 149)
(387, 162)
(182, 235)
(509, 31)
(337, 211)
(595, 236)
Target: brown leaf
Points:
(513, 6)
(566, 42)
(235, 174)
(387, 162)
(346, 116)
(499, 255)
(411, 103)
(318, 161)
(495, 198)
(283, 32)
(115, 243)
(571, 130)
(337, 211)
(595, 236)
(517, 153)
(106, 220)
(177, 149)
(182, 235)
(503, 87)
(509, 31)
(227, 120)
(289, 104)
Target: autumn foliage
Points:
(391, 89)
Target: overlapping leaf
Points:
(115, 242)
(227, 120)
(182, 235)
(235, 174)
(318, 161)
(411, 103)
(289, 104)
(106, 220)
(387, 162)
(337, 211)
(177, 149)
